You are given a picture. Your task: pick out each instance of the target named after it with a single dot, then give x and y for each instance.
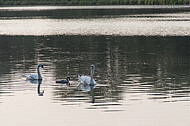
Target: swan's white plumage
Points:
(86, 87)
(32, 76)
(35, 76)
(87, 79)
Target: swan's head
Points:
(92, 67)
(41, 65)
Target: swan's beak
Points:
(42, 66)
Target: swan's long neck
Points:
(92, 75)
(39, 75)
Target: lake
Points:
(141, 56)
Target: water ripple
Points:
(101, 26)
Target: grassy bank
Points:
(94, 2)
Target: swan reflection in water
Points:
(87, 88)
(39, 82)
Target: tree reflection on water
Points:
(157, 66)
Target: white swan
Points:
(86, 79)
(35, 76)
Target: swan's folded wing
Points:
(79, 78)
(27, 76)
(84, 79)
(94, 82)
(31, 76)
(87, 80)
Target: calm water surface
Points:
(142, 60)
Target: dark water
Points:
(67, 12)
(140, 79)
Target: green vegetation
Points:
(94, 2)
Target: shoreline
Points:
(93, 2)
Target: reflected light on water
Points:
(39, 8)
(167, 26)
